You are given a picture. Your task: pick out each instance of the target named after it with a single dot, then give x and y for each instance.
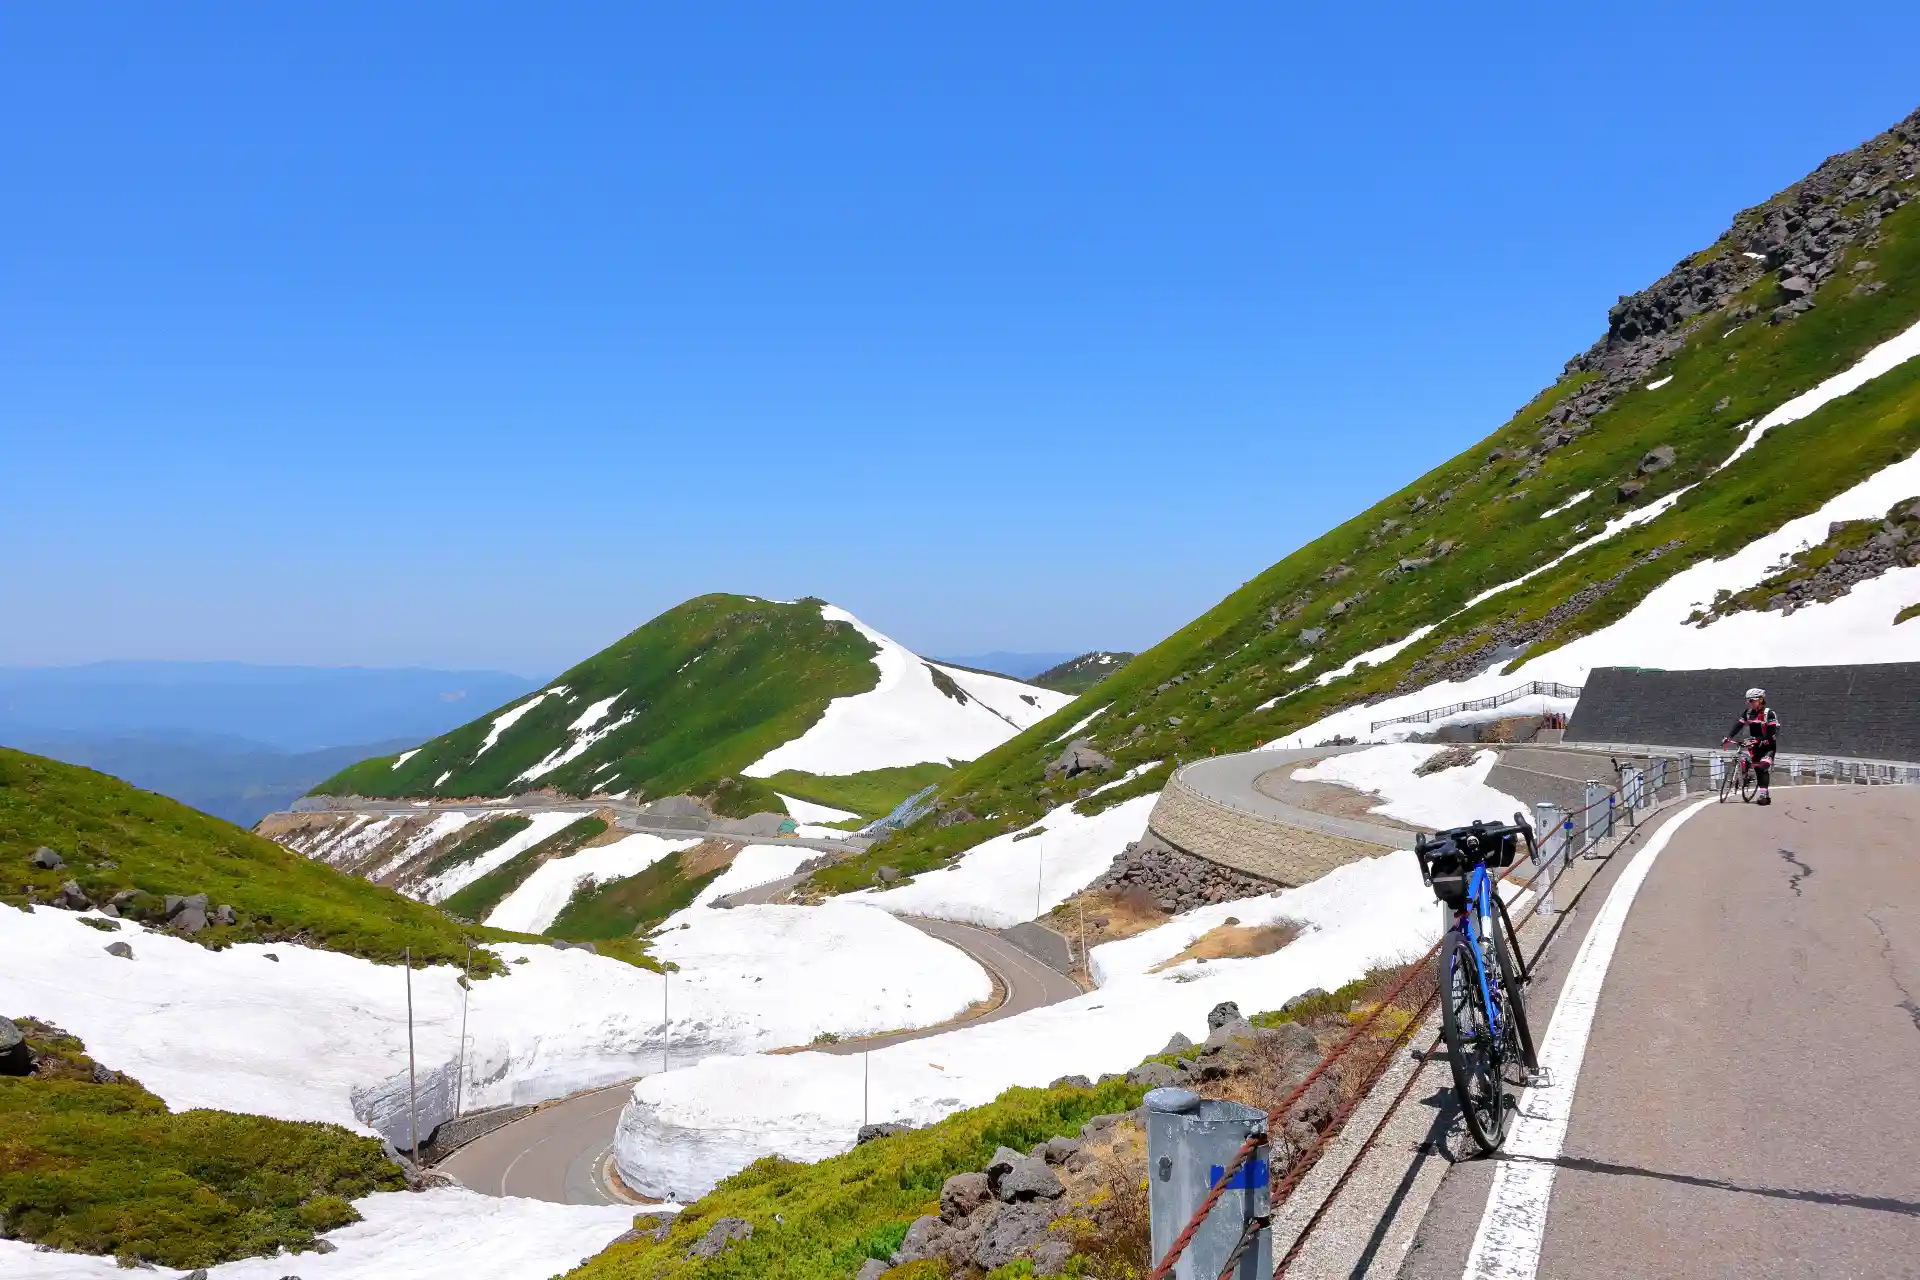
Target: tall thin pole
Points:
(866, 1077)
(665, 1037)
(460, 1079)
(1083, 939)
(1039, 875)
(413, 1110)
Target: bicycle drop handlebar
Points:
(1477, 843)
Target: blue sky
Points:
(476, 335)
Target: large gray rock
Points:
(722, 1233)
(120, 949)
(1153, 1075)
(189, 919)
(1071, 1082)
(869, 1132)
(961, 1194)
(71, 897)
(1014, 1232)
(46, 859)
(1177, 1043)
(1228, 1033)
(1078, 758)
(1657, 459)
(1016, 1177)
(1057, 1150)
(1223, 1013)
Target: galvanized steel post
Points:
(1190, 1142)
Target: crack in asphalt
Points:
(1841, 1199)
(1794, 881)
(1907, 1003)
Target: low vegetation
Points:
(1077, 675)
(621, 908)
(91, 1162)
(1243, 674)
(113, 837)
(873, 794)
(697, 694)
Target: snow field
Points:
(542, 896)
(1371, 658)
(753, 866)
(445, 1234)
(1008, 879)
(439, 829)
(905, 719)
(454, 879)
(298, 1037)
(1448, 798)
(685, 1129)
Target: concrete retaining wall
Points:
(1043, 944)
(1262, 847)
(1863, 711)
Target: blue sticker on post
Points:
(1247, 1177)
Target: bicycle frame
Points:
(1472, 922)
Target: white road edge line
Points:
(1513, 1228)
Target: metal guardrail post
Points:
(1546, 822)
(1190, 1142)
(1589, 816)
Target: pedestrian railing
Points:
(1533, 688)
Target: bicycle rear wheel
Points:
(1512, 976)
(1472, 1050)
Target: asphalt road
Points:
(1234, 781)
(559, 1153)
(1749, 1101)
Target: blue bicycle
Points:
(1483, 1015)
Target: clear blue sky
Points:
(469, 335)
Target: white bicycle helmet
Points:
(1757, 693)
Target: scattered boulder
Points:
(46, 859)
(1078, 758)
(722, 1233)
(1153, 1075)
(189, 919)
(1177, 1043)
(887, 875)
(71, 897)
(15, 1058)
(961, 1194)
(1023, 1178)
(1012, 1233)
(1311, 636)
(1227, 1033)
(1223, 1013)
(1796, 286)
(1628, 491)
(1305, 997)
(1657, 459)
(1453, 757)
(1177, 879)
(1057, 1150)
(120, 949)
(1071, 1082)
(869, 1132)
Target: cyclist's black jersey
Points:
(1762, 726)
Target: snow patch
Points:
(1448, 798)
(906, 719)
(542, 896)
(595, 713)
(1568, 505)
(1658, 383)
(449, 1233)
(1884, 358)
(1372, 657)
(405, 756)
(1018, 876)
(807, 811)
(1126, 777)
(577, 748)
(454, 879)
(507, 719)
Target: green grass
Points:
(872, 794)
(619, 907)
(1235, 657)
(105, 1169)
(821, 1221)
(485, 838)
(1911, 611)
(115, 836)
(711, 685)
(475, 900)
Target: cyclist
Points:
(1763, 736)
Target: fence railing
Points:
(1547, 688)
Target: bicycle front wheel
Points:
(1472, 1049)
(1749, 783)
(1729, 780)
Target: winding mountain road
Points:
(561, 1152)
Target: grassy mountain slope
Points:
(93, 1163)
(1077, 675)
(114, 836)
(680, 705)
(1797, 290)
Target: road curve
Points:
(1234, 781)
(559, 1153)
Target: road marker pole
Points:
(413, 1110)
(866, 1079)
(460, 1078)
(665, 1033)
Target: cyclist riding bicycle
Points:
(1763, 737)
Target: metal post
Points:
(460, 1078)
(1190, 1141)
(1039, 875)
(866, 1081)
(1589, 819)
(1084, 961)
(413, 1110)
(1546, 822)
(665, 1034)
